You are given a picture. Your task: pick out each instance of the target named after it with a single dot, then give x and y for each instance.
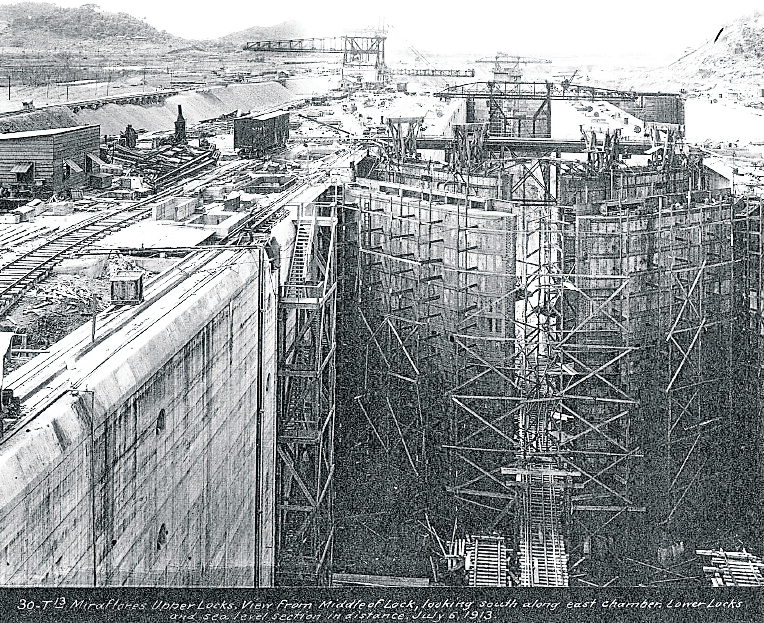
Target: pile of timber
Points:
(166, 165)
(733, 568)
(218, 125)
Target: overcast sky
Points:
(555, 27)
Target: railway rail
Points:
(22, 273)
(543, 559)
(489, 566)
(46, 378)
(541, 545)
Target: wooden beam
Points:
(610, 509)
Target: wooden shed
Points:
(54, 158)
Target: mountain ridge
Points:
(291, 29)
(44, 25)
(736, 52)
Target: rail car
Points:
(256, 135)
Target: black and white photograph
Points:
(400, 311)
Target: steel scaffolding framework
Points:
(400, 259)
(581, 344)
(306, 401)
(749, 353)
(699, 337)
(439, 297)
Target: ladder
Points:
(299, 267)
(489, 562)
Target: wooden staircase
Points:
(299, 267)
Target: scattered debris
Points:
(55, 307)
(165, 165)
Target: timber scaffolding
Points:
(564, 359)
(306, 400)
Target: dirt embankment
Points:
(197, 105)
(58, 117)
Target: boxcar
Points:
(258, 134)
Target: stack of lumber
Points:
(166, 165)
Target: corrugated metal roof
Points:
(50, 132)
(21, 167)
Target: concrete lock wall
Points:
(159, 468)
(515, 117)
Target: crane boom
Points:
(514, 58)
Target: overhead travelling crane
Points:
(519, 113)
(439, 73)
(431, 70)
(353, 48)
(356, 50)
(525, 90)
(368, 50)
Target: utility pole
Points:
(94, 311)
(9, 87)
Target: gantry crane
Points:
(506, 67)
(365, 50)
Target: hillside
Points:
(732, 60)
(42, 26)
(285, 30)
(737, 53)
(43, 23)
(9, 12)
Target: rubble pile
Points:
(119, 264)
(53, 309)
(69, 288)
(57, 306)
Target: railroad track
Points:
(23, 272)
(489, 567)
(20, 274)
(541, 546)
(46, 378)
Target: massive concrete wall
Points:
(153, 460)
